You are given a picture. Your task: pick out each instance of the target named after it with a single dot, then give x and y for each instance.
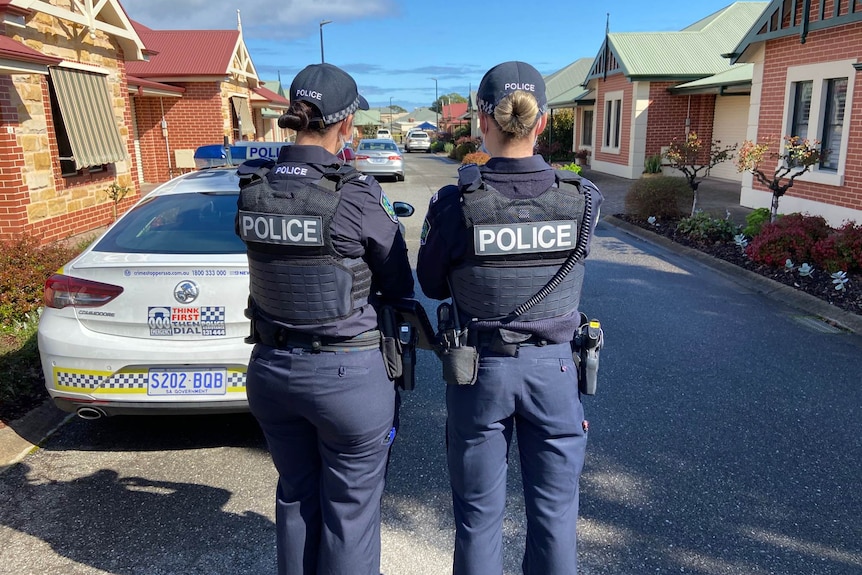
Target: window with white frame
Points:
(816, 100)
(587, 128)
(613, 112)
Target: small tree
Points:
(116, 193)
(795, 159)
(686, 157)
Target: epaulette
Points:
(469, 178)
(336, 176)
(252, 170)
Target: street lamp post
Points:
(390, 116)
(436, 104)
(322, 24)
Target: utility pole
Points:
(322, 24)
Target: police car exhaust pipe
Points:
(90, 413)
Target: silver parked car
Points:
(417, 141)
(380, 157)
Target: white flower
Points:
(741, 240)
(788, 265)
(651, 220)
(806, 270)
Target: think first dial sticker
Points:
(206, 321)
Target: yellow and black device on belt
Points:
(586, 346)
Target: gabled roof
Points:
(564, 86)
(692, 53)
(420, 115)
(780, 19)
(107, 16)
(189, 53)
(453, 111)
(366, 117)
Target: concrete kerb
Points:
(760, 284)
(23, 436)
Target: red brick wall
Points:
(667, 114)
(13, 191)
(841, 43)
(613, 84)
(193, 120)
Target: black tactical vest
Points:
(296, 274)
(517, 247)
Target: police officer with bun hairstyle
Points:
(324, 250)
(507, 245)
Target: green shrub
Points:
(662, 197)
(790, 237)
(572, 167)
(754, 222)
(701, 227)
(24, 267)
(652, 164)
(448, 147)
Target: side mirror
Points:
(403, 209)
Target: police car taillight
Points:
(64, 291)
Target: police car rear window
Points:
(420, 135)
(177, 224)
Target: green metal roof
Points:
(366, 117)
(564, 85)
(693, 52)
(738, 76)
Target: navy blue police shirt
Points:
(365, 226)
(445, 240)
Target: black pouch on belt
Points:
(460, 365)
(390, 344)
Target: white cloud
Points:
(260, 18)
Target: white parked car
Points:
(150, 317)
(384, 134)
(417, 140)
(379, 157)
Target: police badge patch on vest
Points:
(524, 238)
(387, 207)
(281, 229)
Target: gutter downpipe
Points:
(164, 124)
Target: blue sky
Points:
(395, 49)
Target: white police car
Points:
(149, 319)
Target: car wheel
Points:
(399, 177)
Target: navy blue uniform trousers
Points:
(329, 419)
(536, 394)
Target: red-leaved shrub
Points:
(790, 237)
(840, 250)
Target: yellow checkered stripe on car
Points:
(86, 380)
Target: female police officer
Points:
(493, 243)
(324, 247)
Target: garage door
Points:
(731, 123)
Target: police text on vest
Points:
(281, 229)
(524, 238)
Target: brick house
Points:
(89, 98)
(807, 57)
(199, 87)
(64, 115)
(638, 86)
